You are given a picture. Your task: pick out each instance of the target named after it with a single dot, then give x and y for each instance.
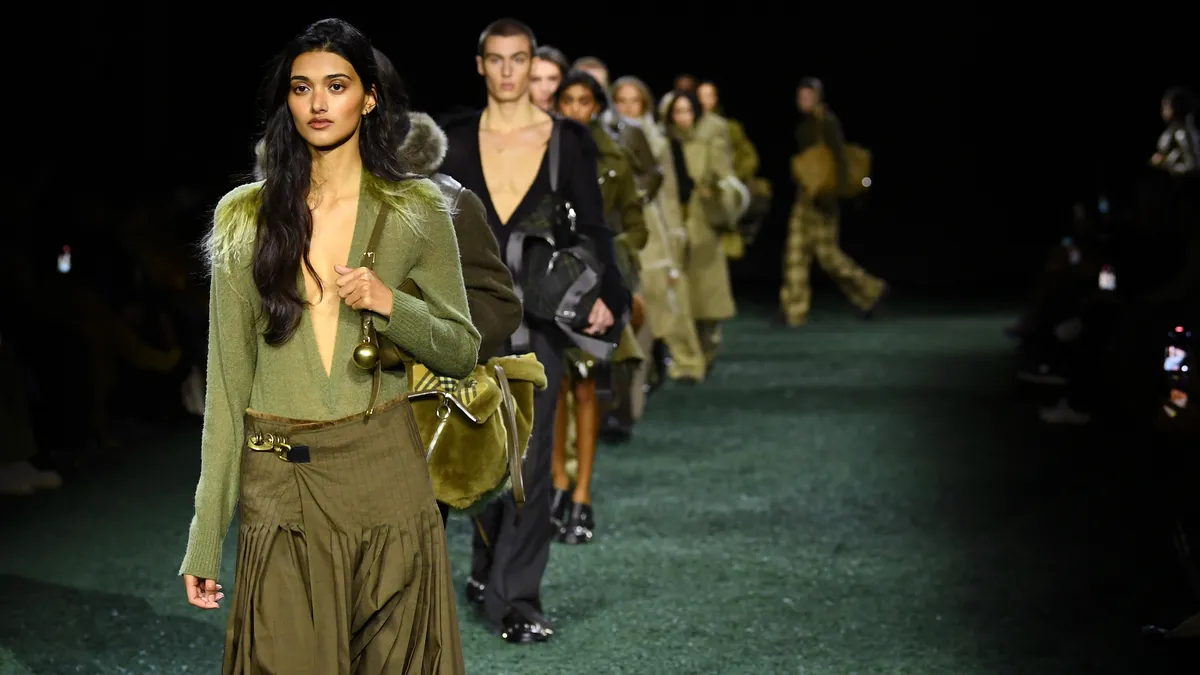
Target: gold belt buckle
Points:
(269, 443)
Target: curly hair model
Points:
(341, 554)
(580, 97)
(315, 113)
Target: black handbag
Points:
(559, 273)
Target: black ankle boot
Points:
(578, 528)
(560, 507)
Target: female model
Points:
(745, 169)
(581, 98)
(341, 562)
(703, 158)
(663, 260)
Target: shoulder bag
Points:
(475, 430)
(558, 272)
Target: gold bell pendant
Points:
(366, 353)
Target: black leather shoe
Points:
(521, 630)
(579, 527)
(475, 591)
(560, 506)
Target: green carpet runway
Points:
(850, 498)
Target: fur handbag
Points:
(475, 430)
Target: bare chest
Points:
(332, 238)
(511, 162)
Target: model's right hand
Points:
(600, 319)
(203, 593)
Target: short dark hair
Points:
(507, 27)
(585, 78)
(588, 62)
(553, 55)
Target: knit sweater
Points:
(289, 380)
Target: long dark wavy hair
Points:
(392, 87)
(284, 219)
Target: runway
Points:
(847, 498)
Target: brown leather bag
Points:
(815, 171)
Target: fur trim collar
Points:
(422, 151)
(234, 232)
(424, 147)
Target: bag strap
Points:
(368, 324)
(555, 152)
(520, 340)
(368, 259)
(515, 453)
(515, 251)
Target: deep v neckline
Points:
(367, 210)
(523, 205)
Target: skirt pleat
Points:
(342, 565)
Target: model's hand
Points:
(361, 289)
(203, 593)
(600, 319)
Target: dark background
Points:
(983, 128)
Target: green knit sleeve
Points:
(436, 330)
(232, 357)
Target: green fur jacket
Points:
(289, 380)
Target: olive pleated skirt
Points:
(341, 564)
